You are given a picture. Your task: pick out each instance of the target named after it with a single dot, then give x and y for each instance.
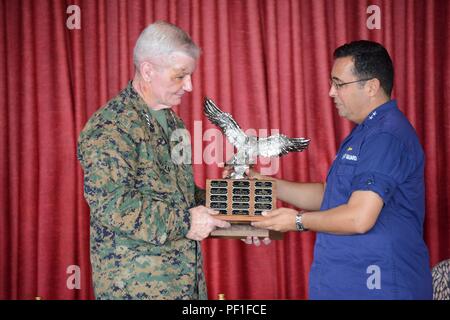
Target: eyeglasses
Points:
(338, 86)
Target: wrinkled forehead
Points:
(180, 62)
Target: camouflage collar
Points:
(132, 94)
(129, 93)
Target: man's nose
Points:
(332, 91)
(187, 84)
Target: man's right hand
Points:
(203, 222)
(255, 241)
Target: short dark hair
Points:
(371, 60)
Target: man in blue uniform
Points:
(369, 214)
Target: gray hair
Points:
(160, 39)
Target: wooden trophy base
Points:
(241, 201)
(242, 231)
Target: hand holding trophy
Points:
(238, 199)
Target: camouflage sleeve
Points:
(200, 196)
(115, 195)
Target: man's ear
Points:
(373, 87)
(146, 69)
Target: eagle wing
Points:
(279, 144)
(226, 123)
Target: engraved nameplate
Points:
(240, 200)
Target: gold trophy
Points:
(240, 200)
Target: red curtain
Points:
(266, 62)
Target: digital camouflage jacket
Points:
(139, 200)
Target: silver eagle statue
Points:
(249, 147)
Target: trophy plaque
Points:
(240, 200)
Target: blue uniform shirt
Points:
(391, 261)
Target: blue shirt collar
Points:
(377, 114)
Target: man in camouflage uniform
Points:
(145, 222)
